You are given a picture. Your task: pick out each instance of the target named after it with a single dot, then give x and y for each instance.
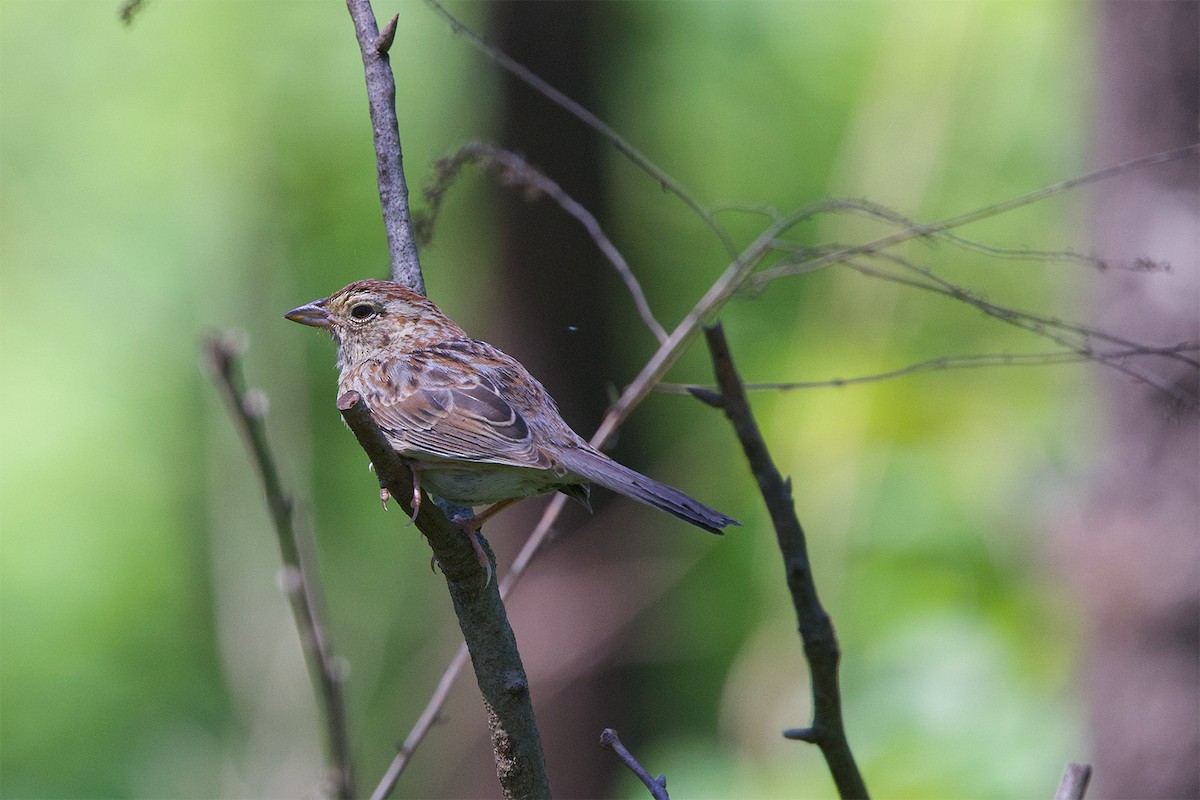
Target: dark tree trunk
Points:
(553, 313)
(1139, 543)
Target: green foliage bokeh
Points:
(211, 167)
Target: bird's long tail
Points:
(600, 469)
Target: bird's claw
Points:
(384, 496)
(416, 496)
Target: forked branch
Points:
(816, 629)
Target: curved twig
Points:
(518, 171)
(934, 228)
(816, 629)
(945, 363)
(588, 118)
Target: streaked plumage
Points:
(476, 426)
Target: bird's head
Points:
(374, 318)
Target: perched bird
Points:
(475, 427)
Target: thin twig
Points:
(300, 582)
(517, 171)
(816, 629)
(520, 763)
(389, 159)
(1071, 335)
(875, 211)
(657, 786)
(954, 290)
(945, 363)
(433, 709)
(588, 118)
(1074, 782)
(934, 228)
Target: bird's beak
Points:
(313, 314)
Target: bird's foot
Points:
(416, 495)
(469, 523)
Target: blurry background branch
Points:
(299, 579)
(816, 629)
(1074, 782)
(516, 171)
(591, 120)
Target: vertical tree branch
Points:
(816, 630)
(389, 158)
(520, 763)
(299, 579)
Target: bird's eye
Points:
(363, 311)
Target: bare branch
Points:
(934, 228)
(657, 786)
(1071, 335)
(944, 363)
(516, 171)
(1074, 782)
(393, 190)
(300, 582)
(520, 763)
(816, 629)
(588, 118)
(884, 214)
(429, 716)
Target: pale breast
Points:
(490, 483)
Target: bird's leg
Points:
(416, 495)
(463, 518)
(489, 512)
(473, 526)
(384, 494)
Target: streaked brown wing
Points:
(448, 413)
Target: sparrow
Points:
(473, 425)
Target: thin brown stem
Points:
(300, 581)
(935, 228)
(389, 158)
(523, 73)
(816, 629)
(516, 171)
(946, 363)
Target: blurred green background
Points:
(211, 166)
